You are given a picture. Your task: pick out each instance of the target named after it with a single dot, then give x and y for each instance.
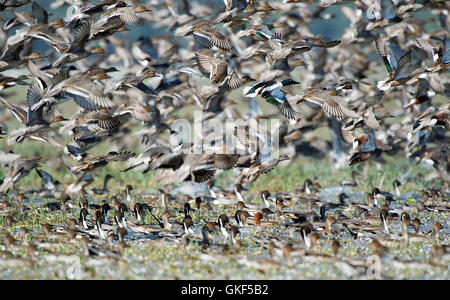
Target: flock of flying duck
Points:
(266, 52)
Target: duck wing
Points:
(208, 36)
(18, 111)
(217, 69)
(404, 66)
(385, 54)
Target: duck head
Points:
(247, 78)
(98, 50)
(141, 9)
(138, 211)
(289, 82)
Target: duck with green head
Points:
(271, 91)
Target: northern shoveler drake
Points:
(271, 91)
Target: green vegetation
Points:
(149, 258)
